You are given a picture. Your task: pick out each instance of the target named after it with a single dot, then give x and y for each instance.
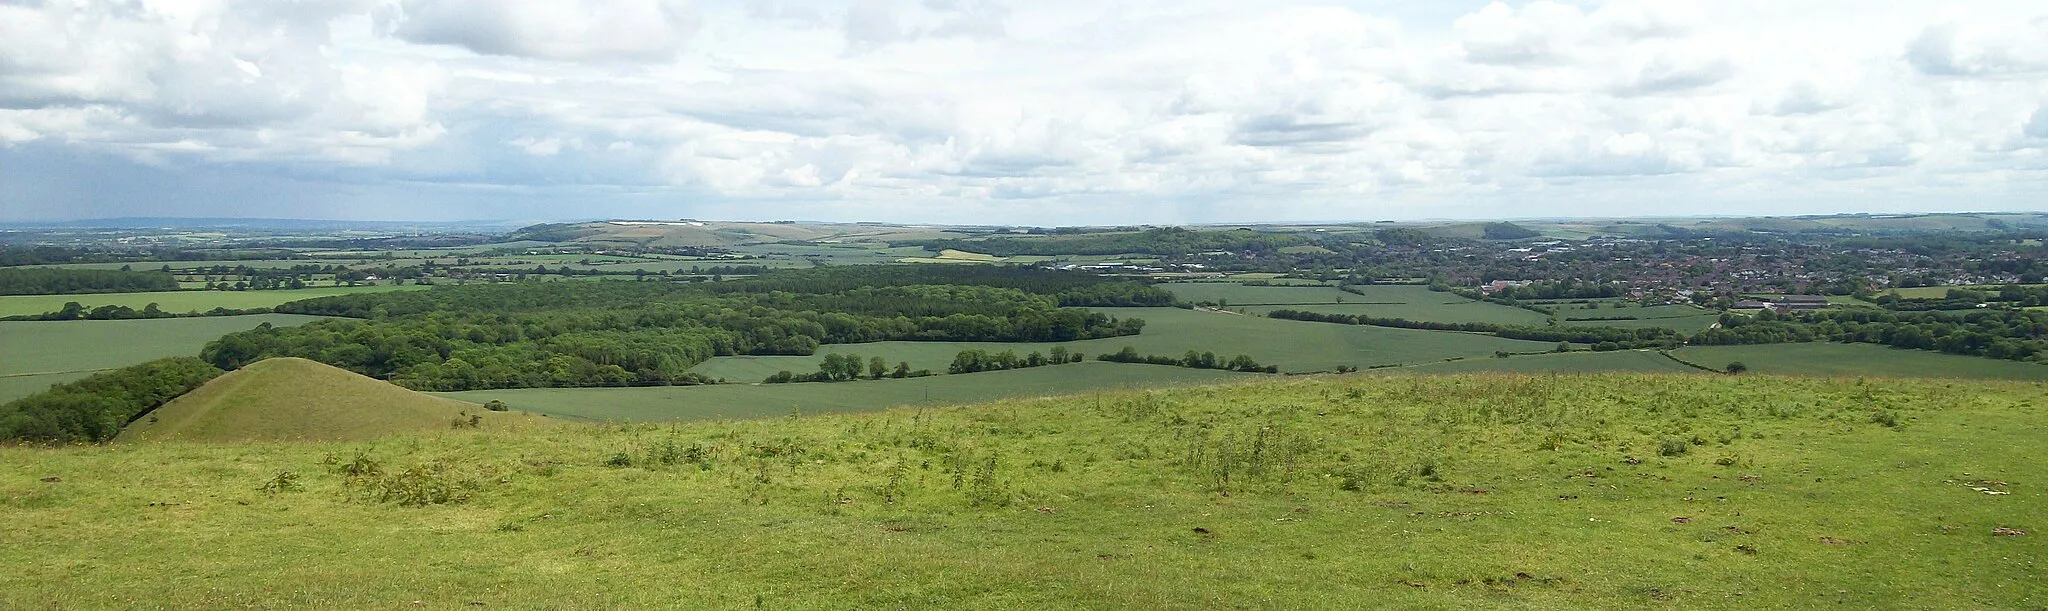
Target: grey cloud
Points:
(872, 24)
(1665, 75)
(1937, 52)
(571, 30)
(2037, 125)
(1286, 130)
(1803, 98)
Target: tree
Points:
(877, 367)
(1057, 355)
(1736, 367)
(902, 370)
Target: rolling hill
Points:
(298, 399)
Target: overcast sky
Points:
(1050, 112)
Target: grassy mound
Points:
(293, 399)
(1488, 491)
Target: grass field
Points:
(1827, 359)
(1566, 492)
(719, 401)
(1293, 345)
(183, 301)
(77, 346)
(1625, 361)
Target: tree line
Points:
(94, 409)
(1602, 338)
(65, 281)
(2020, 335)
(1192, 360)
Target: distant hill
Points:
(294, 399)
(684, 233)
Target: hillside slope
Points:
(294, 399)
(1467, 492)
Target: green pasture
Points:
(1830, 359)
(719, 401)
(183, 301)
(1409, 492)
(1293, 345)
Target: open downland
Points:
(293, 398)
(1406, 492)
(54, 349)
(1295, 346)
(178, 302)
(719, 401)
(1829, 359)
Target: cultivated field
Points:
(182, 301)
(70, 348)
(1585, 492)
(1827, 359)
(667, 403)
(1629, 361)
(1293, 345)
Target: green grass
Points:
(293, 399)
(1827, 359)
(183, 301)
(76, 346)
(1404, 492)
(763, 400)
(1293, 345)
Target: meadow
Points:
(60, 351)
(1497, 491)
(183, 301)
(1293, 345)
(728, 401)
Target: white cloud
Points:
(935, 109)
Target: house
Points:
(1750, 304)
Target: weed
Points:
(1888, 418)
(437, 483)
(1672, 446)
(285, 481)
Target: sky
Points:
(1051, 112)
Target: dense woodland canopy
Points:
(63, 281)
(631, 333)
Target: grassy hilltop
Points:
(1574, 491)
(292, 399)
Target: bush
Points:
(1672, 446)
(495, 405)
(1736, 367)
